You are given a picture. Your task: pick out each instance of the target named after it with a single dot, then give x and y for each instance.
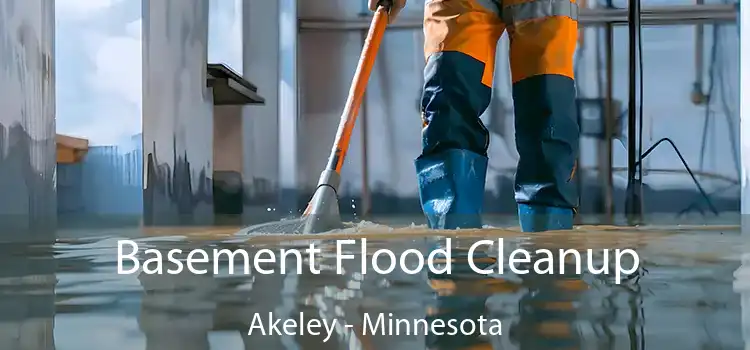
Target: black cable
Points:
(640, 91)
(684, 163)
(693, 205)
(633, 201)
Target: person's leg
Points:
(460, 41)
(544, 34)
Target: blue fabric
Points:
(451, 188)
(536, 218)
(453, 98)
(547, 139)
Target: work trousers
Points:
(461, 39)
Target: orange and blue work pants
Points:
(461, 38)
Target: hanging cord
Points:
(717, 77)
(711, 89)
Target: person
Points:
(461, 38)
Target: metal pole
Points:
(652, 15)
(698, 96)
(744, 24)
(609, 117)
(633, 208)
(741, 283)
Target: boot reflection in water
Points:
(548, 312)
(462, 295)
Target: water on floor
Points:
(685, 294)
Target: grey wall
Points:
(27, 121)
(227, 160)
(261, 141)
(227, 151)
(177, 113)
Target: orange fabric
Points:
(554, 329)
(573, 172)
(463, 26)
(539, 46)
(507, 3)
(543, 46)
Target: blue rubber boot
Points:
(537, 218)
(451, 188)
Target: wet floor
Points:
(685, 294)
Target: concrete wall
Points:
(228, 160)
(27, 121)
(177, 113)
(261, 123)
(227, 138)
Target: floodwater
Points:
(685, 294)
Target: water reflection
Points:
(27, 297)
(177, 311)
(684, 301)
(547, 312)
(463, 295)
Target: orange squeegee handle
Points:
(357, 90)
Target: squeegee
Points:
(322, 212)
